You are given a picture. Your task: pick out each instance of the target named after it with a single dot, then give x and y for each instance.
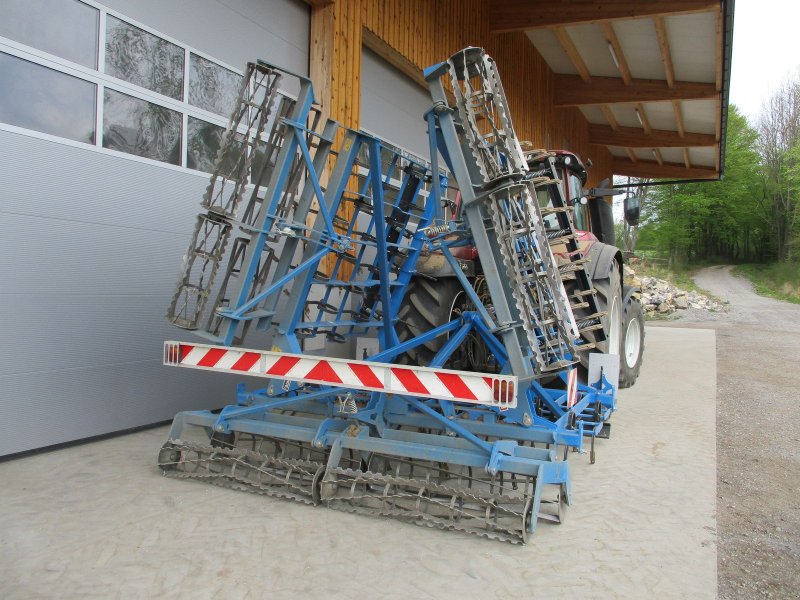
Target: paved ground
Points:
(758, 430)
(97, 521)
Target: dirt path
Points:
(758, 438)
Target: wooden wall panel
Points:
(424, 32)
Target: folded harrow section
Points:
(305, 241)
(502, 213)
(563, 240)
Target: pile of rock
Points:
(661, 297)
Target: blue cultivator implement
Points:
(303, 246)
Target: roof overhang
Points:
(651, 77)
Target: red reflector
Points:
(503, 391)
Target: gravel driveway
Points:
(758, 437)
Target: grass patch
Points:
(776, 280)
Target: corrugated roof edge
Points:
(727, 52)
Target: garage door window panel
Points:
(141, 128)
(212, 87)
(204, 141)
(143, 59)
(44, 100)
(65, 28)
(87, 74)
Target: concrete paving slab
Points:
(97, 521)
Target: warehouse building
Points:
(111, 114)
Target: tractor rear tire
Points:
(428, 303)
(632, 343)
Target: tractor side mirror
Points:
(632, 210)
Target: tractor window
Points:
(575, 188)
(543, 196)
(580, 216)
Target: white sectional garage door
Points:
(392, 105)
(93, 227)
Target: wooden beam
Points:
(663, 44)
(677, 108)
(321, 51)
(633, 137)
(720, 48)
(609, 115)
(658, 157)
(622, 62)
(518, 15)
(571, 90)
(652, 169)
(632, 155)
(372, 41)
(686, 160)
(643, 118)
(572, 52)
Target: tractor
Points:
(435, 296)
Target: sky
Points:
(765, 51)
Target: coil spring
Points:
(435, 230)
(347, 405)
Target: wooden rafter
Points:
(632, 137)
(677, 108)
(622, 62)
(631, 155)
(643, 118)
(571, 90)
(666, 170)
(663, 44)
(609, 115)
(572, 52)
(657, 155)
(686, 160)
(517, 15)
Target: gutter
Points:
(727, 52)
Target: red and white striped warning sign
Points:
(423, 382)
(572, 387)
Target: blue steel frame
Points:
(542, 417)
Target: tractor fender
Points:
(630, 293)
(601, 258)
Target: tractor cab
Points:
(591, 213)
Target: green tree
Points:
(779, 137)
(712, 220)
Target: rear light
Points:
(503, 392)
